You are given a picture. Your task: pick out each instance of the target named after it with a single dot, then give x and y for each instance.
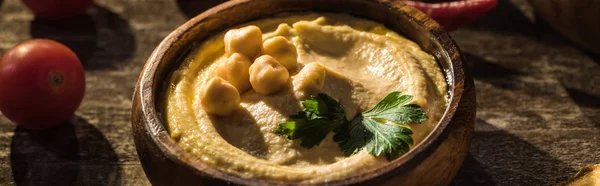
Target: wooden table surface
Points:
(538, 118)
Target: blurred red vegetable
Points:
(42, 83)
(57, 9)
(452, 15)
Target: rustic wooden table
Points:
(538, 96)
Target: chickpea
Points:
(219, 97)
(246, 40)
(282, 50)
(310, 80)
(267, 76)
(235, 71)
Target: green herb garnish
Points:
(378, 130)
(321, 115)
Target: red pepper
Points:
(452, 15)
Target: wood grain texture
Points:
(538, 118)
(538, 99)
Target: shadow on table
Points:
(483, 69)
(507, 18)
(74, 153)
(495, 74)
(100, 38)
(191, 8)
(473, 173)
(584, 99)
(500, 158)
(595, 57)
(589, 104)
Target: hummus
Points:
(363, 60)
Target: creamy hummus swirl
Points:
(364, 61)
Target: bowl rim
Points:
(146, 86)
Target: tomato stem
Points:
(56, 79)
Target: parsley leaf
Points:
(321, 115)
(351, 137)
(379, 130)
(375, 136)
(395, 108)
(391, 139)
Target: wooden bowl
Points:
(434, 161)
(579, 21)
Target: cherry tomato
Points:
(57, 9)
(42, 83)
(452, 15)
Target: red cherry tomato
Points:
(42, 83)
(452, 15)
(57, 9)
